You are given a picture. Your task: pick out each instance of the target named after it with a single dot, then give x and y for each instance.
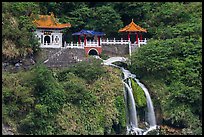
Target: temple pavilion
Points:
(133, 28)
(49, 31)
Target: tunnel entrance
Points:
(93, 52)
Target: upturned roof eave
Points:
(132, 25)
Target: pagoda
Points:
(49, 31)
(133, 28)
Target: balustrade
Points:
(107, 41)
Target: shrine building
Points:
(49, 31)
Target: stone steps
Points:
(65, 58)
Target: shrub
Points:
(89, 71)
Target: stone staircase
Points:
(63, 57)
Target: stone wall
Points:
(115, 50)
(61, 57)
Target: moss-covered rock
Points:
(138, 94)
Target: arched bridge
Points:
(114, 59)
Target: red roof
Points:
(132, 27)
(49, 21)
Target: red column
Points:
(140, 36)
(84, 40)
(79, 39)
(128, 35)
(98, 40)
(136, 38)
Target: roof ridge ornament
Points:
(52, 14)
(53, 18)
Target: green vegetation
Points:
(138, 94)
(43, 101)
(89, 71)
(170, 64)
(18, 41)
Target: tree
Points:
(17, 35)
(105, 19)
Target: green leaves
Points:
(39, 103)
(105, 19)
(138, 94)
(49, 92)
(81, 16)
(89, 71)
(17, 27)
(24, 8)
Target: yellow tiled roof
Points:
(49, 21)
(132, 27)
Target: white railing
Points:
(143, 41)
(74, 45)
(50, 45)
(107, 41)
(140, 42)
(93, 43)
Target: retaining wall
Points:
(115, 50)
(61, 57)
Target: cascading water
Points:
(150, 108)
(131, 113)
(132, 123)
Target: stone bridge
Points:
(114, 59)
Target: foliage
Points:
(76, 91)
(81, 16)
(39, 102)
(47, 89)
(18, 39)
(105, 19)
(103, 56)
(95, 108)
(121, 109)
(24, 8)
(17, 99)
(49, 99)
(89, 71)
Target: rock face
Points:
(6, 130)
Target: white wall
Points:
(53, 37)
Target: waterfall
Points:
(131, 112)
(132, 123)
(151, 114)
(150, 108)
